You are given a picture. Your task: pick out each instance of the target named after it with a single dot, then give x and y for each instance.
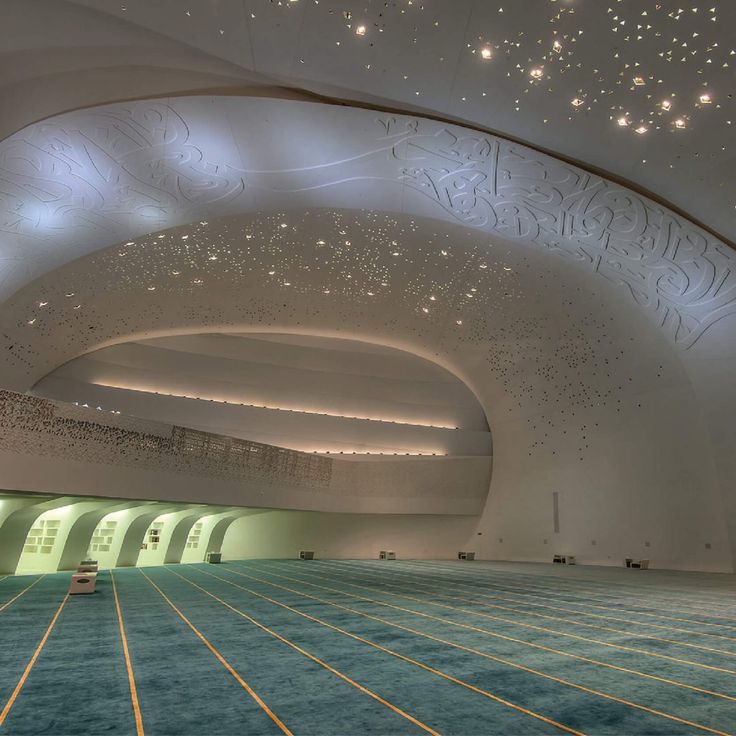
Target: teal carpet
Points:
(362, 647)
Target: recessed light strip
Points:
(272, 408)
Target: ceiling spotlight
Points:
(705, 99)
(360, 31)
(623, 121)
(486, 53)
(576, 102)
(641, 129)
(680, 123)
(666, 105)
(639, 81)
(557, 46)
(537, 72)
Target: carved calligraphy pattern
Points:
(667, 265)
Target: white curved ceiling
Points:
(594, 325)
(561, 74)
(305, 393)
(89, 179)
(528, 334)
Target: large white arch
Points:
(576, 298)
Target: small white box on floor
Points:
(82, 583)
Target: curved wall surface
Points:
(594, 326)
(309, 394)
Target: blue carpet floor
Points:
(361, 647)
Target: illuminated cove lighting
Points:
(385, 420)
(312, 451)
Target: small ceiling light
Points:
(680, 123)
(641, 129)
(576, 102)
(557, 46)
(360, 31)
(705, 99)
(537, 72)
(666, 105)
(623, 121)
(639, 81)
(486, 53)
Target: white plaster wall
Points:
(576, 356)
(400, 486)
(166, 523)
(284, 533)
(31, 562)
(124, 519)
(209, 523)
